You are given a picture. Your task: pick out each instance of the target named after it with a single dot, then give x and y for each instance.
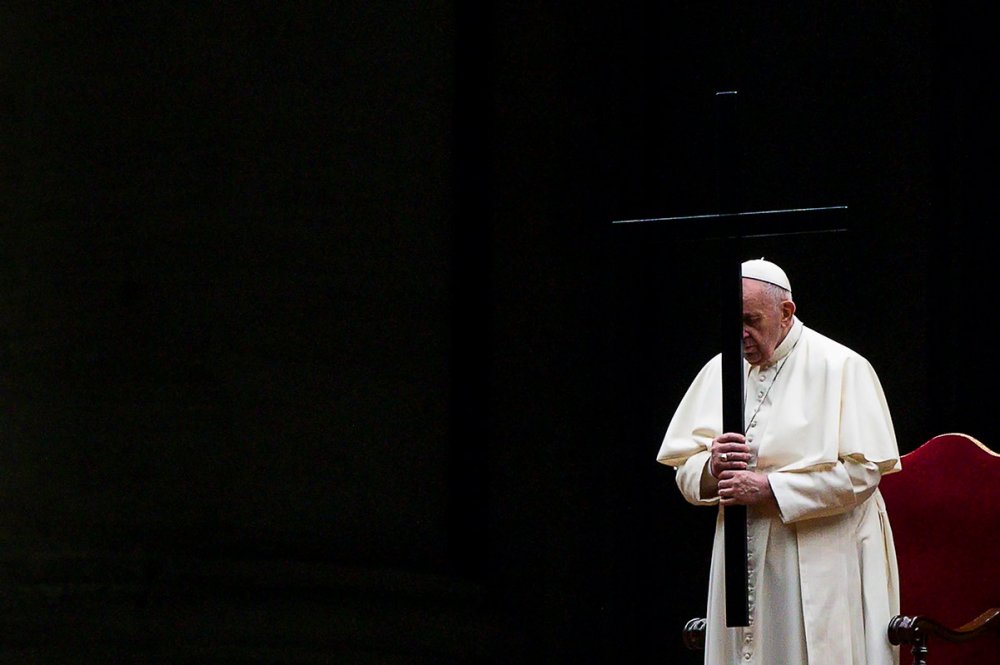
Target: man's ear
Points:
(787, 310)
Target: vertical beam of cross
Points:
(729, 201)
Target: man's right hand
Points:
(729, 453)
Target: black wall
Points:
(318, 341)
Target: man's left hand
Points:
(744, 488)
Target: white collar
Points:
(788, 343)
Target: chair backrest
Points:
(944, 508)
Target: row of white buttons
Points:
(748, 636)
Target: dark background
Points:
(317, 343)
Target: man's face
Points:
(765, 322)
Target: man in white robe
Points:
(822, 566)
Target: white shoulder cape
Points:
(829, 405)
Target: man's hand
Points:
(729, 453)
(744, 488)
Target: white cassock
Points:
(823, 576)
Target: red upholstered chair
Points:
(944, 508)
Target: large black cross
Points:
(731, 226)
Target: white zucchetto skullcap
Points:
(765, 271)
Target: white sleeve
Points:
(695, 482)
(811, 494)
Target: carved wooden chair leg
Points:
(906, 630)
(694, 634)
